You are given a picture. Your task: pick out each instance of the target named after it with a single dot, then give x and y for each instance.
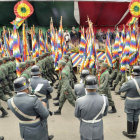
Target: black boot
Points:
(56, 104)
(50, 137)
(57, 97)
(4, 112)
(123, 97)
(135, 126)
(117, 92)
(58, 112)
(129, 132)
(113, 110)
(113, 88)
(1, 138)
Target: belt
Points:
(91, 121)
(129, 98)
(30, 122)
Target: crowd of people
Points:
(91, 97)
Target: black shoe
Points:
(56, 98)
(50, 137)
(129, 132)
(113, 110)
(56, 87)
(56, 104)
(58, 112)
(113, 88)
(1, 138)
(117, 92)
(4, 112)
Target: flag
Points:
(16, 51)
(76, 59)
(125, 56)
(46, 44)
(108, 52)
(132, 21)
(122, 42)
(11, 44)
(6, 43)
(17, 22)
(41, 42)
(25, 45)
(115, 51)
(134, 49)
(82, 44)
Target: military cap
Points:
(105, 65)
(100, 60)
(1, 60)
(27, 62)
(62, 62)
(5, 58)
(32, 61)
(65, 56)
(22, 65)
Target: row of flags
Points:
(126, 48)
(18, 46)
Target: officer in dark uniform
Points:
(90, 109)
(79, 89)
(132, 102)
(31, 112)
(41, 88)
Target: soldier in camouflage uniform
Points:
(69, 65)
(114, 73)
(104, 86)
(5, 86)
(2, 77)
(66, 90)
(22, 68)
(13, 63)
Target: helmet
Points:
(84, 73)
(35, 70)
(21, 84)
(65, 56)
(62, 62)
(136, 70)
(90, 82)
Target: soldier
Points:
(114, 73)
(132, 102)
(104, 86)
(90, 109)
(41, 88)
(31, 112)
(66, 90)
(5, 85)
(79, 89)
(22, 68)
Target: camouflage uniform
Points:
(66, 92)
(104, 86)
(5, 86)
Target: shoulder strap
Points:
(19, 111)
(103, 108)
(137, 86)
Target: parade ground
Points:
(66, 126)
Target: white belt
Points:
(91, 121)
(94, 120)
(129, 98)
(30, 122)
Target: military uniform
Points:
(90, 109)
(66, 90)
(32, 114)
